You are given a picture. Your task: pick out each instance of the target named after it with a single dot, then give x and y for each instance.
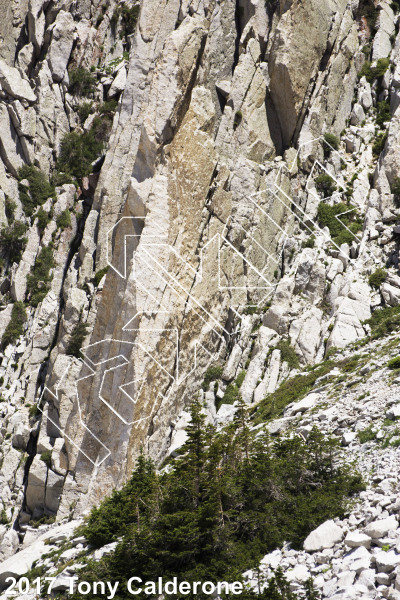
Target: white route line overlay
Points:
(222, 239)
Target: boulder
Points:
(232, 363)
(61, 44)
(357, 115)
(325, 536)
(357, 560)
(119, 83)
(22, 562)
(308, 402)
(54, 487)
(9, 544)
(354, 539)
(393, 412)
(391, 294)
(348, 438)
(12, 82)
(35, 491)
(386, 562)
(379, 529)
(382, 45)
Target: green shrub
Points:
(212, 374)
(325, 185)
(328, 217)
(366, 435)
(288, 355)
(34, 411)
(84, 110)
(46, 457)
(79, 150)
(108, 107)
(77, 153)
(291, 390)
(383, 113)
(379, 143)
(9, 207)
(377, 278)
(232, 392)
(99, 276)
(76, 340)
(395, 189)
(330, 141)
(64, 219)
(43, 219)
(3, 517)
(372, 73)
(240, 378)
(309, 243)
(39, 189)
(394, 363)
(384, 321)
(38, 281)
(81, 82)
(13, 241)
(367, 9)
(129, 18)
(227, 500)
(15, 327)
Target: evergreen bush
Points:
(212, 374)
(43, 219)
(325, 185)
(64, 219)
(84, 110)
(46, 457)
(76, 340)
(328, 217)
(99, 276)
(39, 189)
(372, 73)
(366, 435)
(367, 9)
(13, 241)
(81, 82)
(395, 189)
(15, 327)
(383, 113)
(129, 17)
(79, 150)
(9, 207)
(227, 500)
(379, 143)
(377, 278)
(39, 279)
(384, 321)
(394, 363)
(288, 354)
(330, 142)
(309, 243)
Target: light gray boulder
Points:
(300, 407)
(61, 44)
(386, 562)
(380, 528)
(325, 536)
(354, 539)
(13, 83)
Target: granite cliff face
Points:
(204, 203)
